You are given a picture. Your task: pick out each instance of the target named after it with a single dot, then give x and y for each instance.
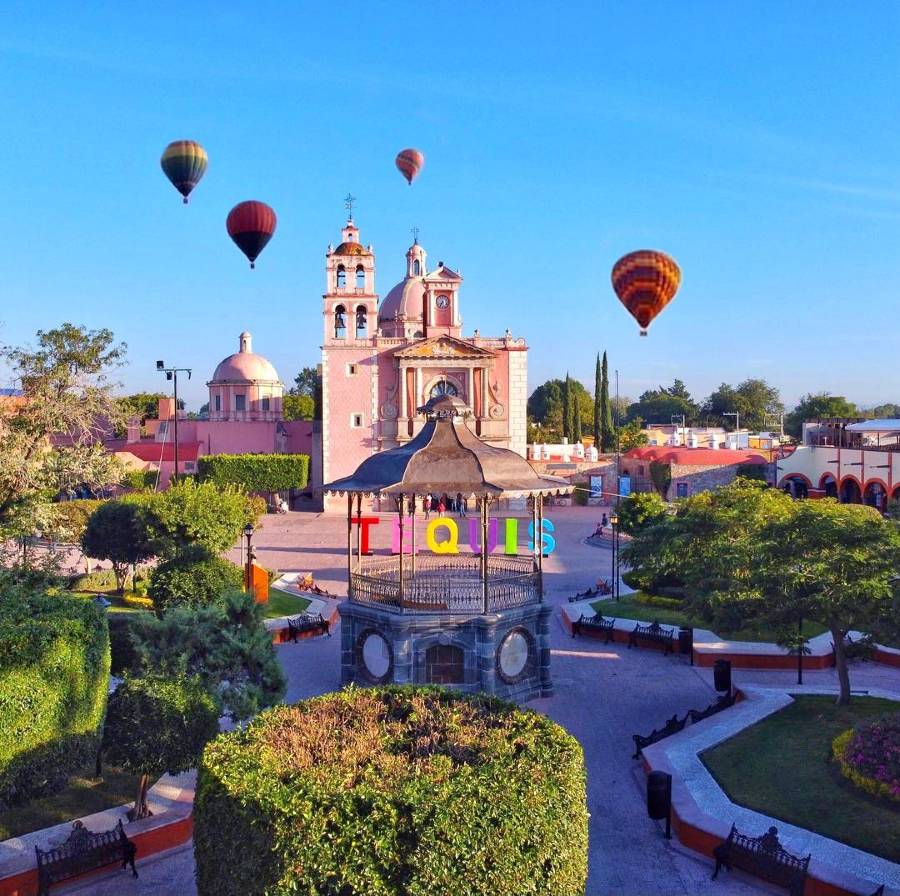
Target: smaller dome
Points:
(351, 249)
(406, 298)
(245, 366)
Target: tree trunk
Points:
(840, 665)
(120, 571)
(140, 809)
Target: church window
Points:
(442, 387)
(356, 421)
(351, 370)
(417, 268)
(218, 402)
(340, 322)
(341, 277)
(360, 277)
(361, 322)
(240, 402)
(265, 403)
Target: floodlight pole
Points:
(172, 374)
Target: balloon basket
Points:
(643, 332)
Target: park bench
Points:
(764, 857)
(653, 634)
(673, 726)
(602, 588)
(307, 622)
(596, 623)
(83, 851)
(717, 705)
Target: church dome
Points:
(244, 366)
(351, 248)
(406, 298)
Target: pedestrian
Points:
(426, 505)
(460, 512)
(603, 523)
(441, 507)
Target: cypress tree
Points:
(576, 417)
(567, 409)
(598, 405)
(607, 431)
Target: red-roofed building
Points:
(687, 470)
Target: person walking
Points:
(460, 506)
(426, 506)
(441, 507)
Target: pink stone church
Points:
(382, 362)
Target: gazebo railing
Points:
(446, 584)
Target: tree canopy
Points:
(753, 399)
(662, 404)
(547, 405)
(817, 405)
(119, 532)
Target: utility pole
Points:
(172, 375)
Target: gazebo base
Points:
(506, 653)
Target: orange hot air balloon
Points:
(645, 282)
(251, 225)
(410, 162)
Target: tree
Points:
(547, 404)
(607, 431)
(598, 405)
(193, 578)
(576, 415)
(836, 563)
(631, 435)
(819, 405)
(191, 513)
(224, 644)
(51, 441)
(639, 511)
(305, 382)
(753, 399)
(662, 404)
(568, 410)
(119, 532)
(298, 407)
(142, 404)
(155, 725)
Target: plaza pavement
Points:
(603, 695)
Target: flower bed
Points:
(869, 756)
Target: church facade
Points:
(381, 361)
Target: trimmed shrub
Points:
(119, 531)
(393, 792)
(54, 671)
(193, 578)
(640, 510)
(102, 580)
(156, 725)
(656, 600)
(121, 640)
(869, 756)
(257, 507)
(255, 472)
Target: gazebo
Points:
(475, 620)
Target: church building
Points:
(383, 361)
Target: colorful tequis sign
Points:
(448, 529)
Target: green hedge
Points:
(259, 473)
(194, 578)
(121, 644)
(393, 792)
(54, 673)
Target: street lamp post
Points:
(737, 420)
(614, 522)
(172, 374)
(248, 566)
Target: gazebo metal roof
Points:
(446, 457)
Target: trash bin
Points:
(722, 675)
(686, 641)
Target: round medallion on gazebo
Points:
(475, 621)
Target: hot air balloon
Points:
(645, 282)
(409, 163)
(184, 163)
(251, 225)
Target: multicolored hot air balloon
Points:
(645, 282)
(409, 163)
(184, 163)
(251, 225)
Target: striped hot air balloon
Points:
(184, 163)
(410, 162)
(251, 225)
(645, 282)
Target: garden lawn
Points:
(782, 767)
(282, 604)
(82, 796)
(630, 607)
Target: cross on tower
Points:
(348, 204)
(415, 232)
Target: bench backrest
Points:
(82, 851)
(769, 856)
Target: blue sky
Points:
(757, 143)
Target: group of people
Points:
(601, 526)
(444, 503)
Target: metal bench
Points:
(83, 851)
(763, 856)
(595, 623)
(718, 705)
(673, 726)
(307, 622)
(652, 634)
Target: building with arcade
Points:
(382, 360)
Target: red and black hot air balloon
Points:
(645, 282)
(184, 163)
(251, 225)
(409, 163)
